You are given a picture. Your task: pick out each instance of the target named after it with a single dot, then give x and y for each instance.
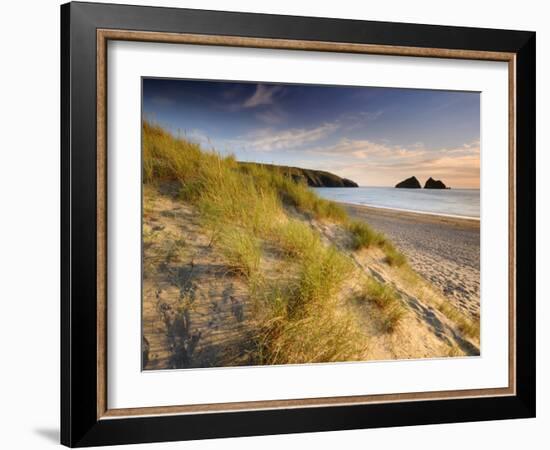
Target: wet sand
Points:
(444, 250)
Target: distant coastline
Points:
(312, 177)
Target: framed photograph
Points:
(276, 224)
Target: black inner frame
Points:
(79, 423)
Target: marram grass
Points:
(303, 316)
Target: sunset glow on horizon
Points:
(374, 136)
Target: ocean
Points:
(447, 202)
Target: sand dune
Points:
(196, 313)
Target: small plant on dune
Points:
(363, 236)
(229, 197)
(296, 239)
(299, 195)
(166, 158)
(149, 236)
(386, 299)
(392, 317)
(393, 256)
(320, 276)
(191, 190)
(328, 333)
(242, 251)
(380, 294)
(464, 324)
(174, 250)
(454, 351)
(325, 209)
(305, 318)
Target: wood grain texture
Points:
(306, 402)
(512, 351)
(101, 225)
(237, 41)
(103, 35)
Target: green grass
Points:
(421, 289)
(242, 252)
(387, 301)
(464, 324)
(321, 274)
(252, 196)
(212, 182)
(298, 195)
(382, 295)
(297, 329)
(393, 256)
(296, 239)
(304, 316)
(363, 235)
(325, 209)
(246, 208)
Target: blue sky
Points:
(374, 136)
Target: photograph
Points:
(299, 224)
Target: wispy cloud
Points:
(360, 119)
(268, 139)
(364, 149)
(263, 95)
(272, 116)
(374, 163)
(232, 92)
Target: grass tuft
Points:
(464, 324)
(321, 274)
(306, 319)
(300, 196)
(296, 239)
(393, 256)
(325, 334)
(363, 235)
(386, 299)
(242, 251)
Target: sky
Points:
(374, 136)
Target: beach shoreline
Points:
(412, 212)
(454, 203)
(443, 249)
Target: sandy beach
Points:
(444, 250)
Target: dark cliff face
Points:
(434, 184)
(316, 178)
(313, 178)
(409, 183)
